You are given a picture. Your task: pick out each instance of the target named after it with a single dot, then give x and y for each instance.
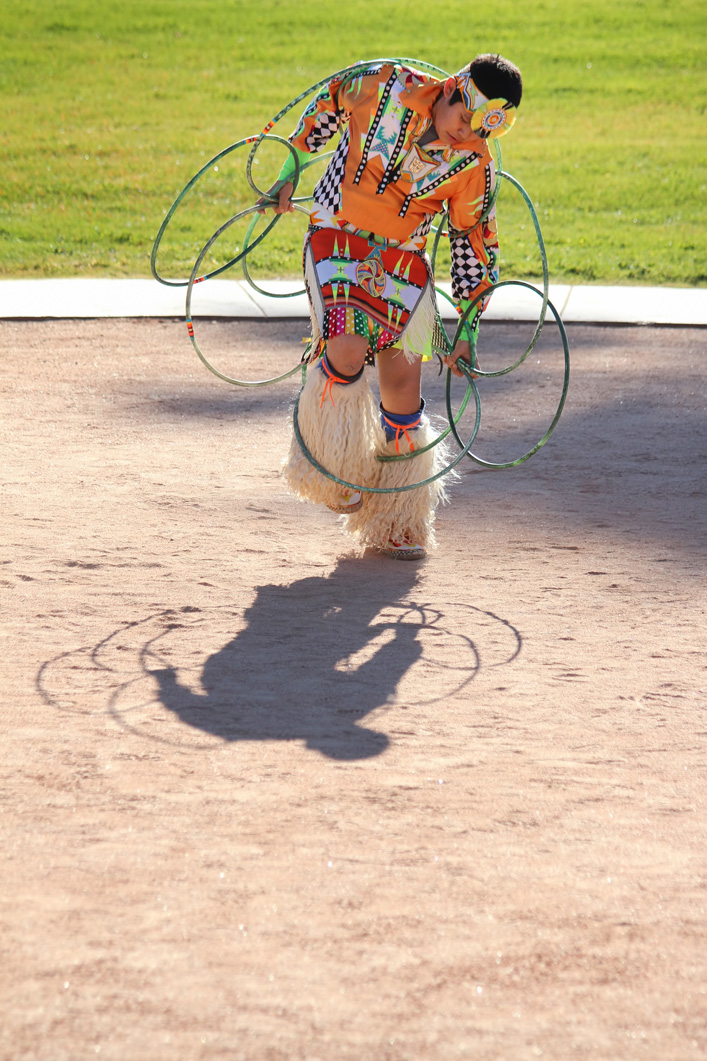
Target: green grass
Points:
(108, 109)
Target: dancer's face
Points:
(452, 120)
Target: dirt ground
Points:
(266, 797)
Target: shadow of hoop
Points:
(308, 661)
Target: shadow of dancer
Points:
(286, 675)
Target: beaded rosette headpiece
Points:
(489, 117)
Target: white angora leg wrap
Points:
(341, 428)
(411, 513)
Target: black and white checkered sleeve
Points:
(475, 255)
(467, 271)
(474, 249)
(320, 121)
(325, 126)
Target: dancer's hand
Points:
(284, 196)
(461, 352)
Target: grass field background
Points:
(108, 109)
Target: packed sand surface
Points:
(266, 796)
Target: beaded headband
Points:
(489, 117)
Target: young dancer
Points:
(410, 146)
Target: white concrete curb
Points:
(40, 299)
